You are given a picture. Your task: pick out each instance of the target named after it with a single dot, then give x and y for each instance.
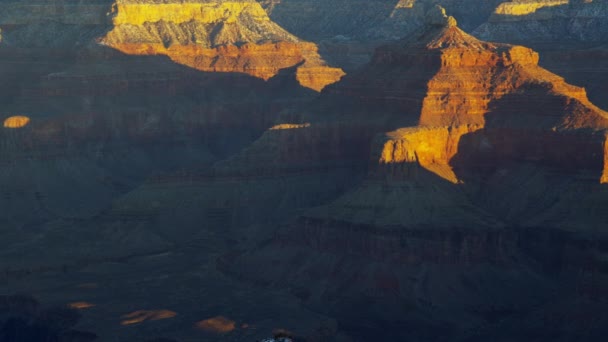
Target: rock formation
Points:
(427, 228)
(449, 189)
(218, 36)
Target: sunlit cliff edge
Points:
(218, 36)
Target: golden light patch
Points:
(140, 316)
(218, 324)
(289, 126)
(17, 121)
(517, 8)
(80, 305)
(206, 13)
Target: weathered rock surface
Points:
(217, 36)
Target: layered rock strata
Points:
(217, 36)
(421, 236)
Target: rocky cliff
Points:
(217, 36)
(421, 236)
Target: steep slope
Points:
(439, 238)
(218, 36)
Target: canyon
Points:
(420, 170)
(427, 226)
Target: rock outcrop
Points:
(217, 36)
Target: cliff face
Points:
(421, 234)
(217, 36)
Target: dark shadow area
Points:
(580, 65)
(23, 319)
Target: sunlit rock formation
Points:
(218, 36)
(472, 148)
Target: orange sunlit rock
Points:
(16, 121)
(521, 8)
(80, 305)
(259, 60)
(218, 324)
(179, 13)
(146, 315)
(244, 39)
(430, 147)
